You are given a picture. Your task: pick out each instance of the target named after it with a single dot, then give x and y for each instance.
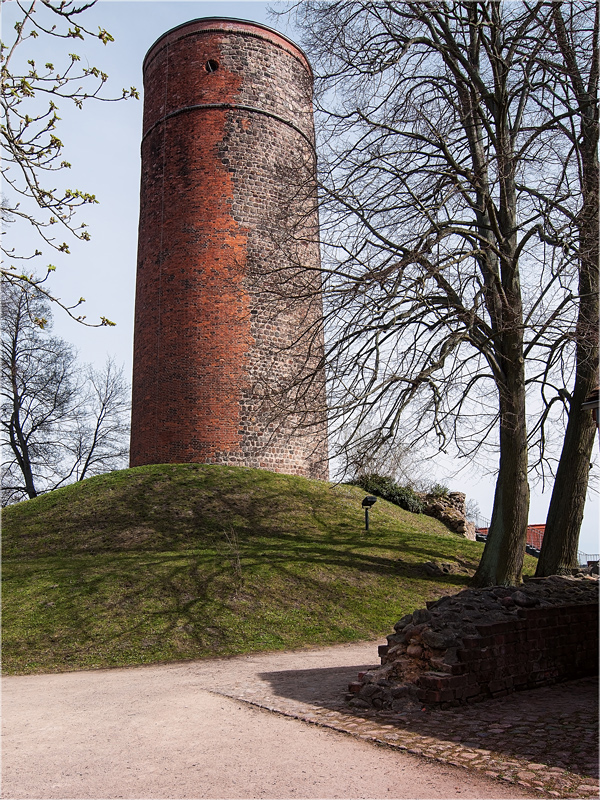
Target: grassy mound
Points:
(169, 562)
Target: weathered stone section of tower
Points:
(228, 339)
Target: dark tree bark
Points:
(565, 512)
(502, 559)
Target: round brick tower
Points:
(228, 321)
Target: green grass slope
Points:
(170, 562)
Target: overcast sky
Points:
(102, 142)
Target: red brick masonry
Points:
(541, 647)
(486, 643)
(228, 139)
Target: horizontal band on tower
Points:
(230, 106)
(228, 25)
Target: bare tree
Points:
(100, 441)
(364, 456)
(449, 296)
(572, 75)
(58, 424)
(32, 152)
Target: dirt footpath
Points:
(189, 731)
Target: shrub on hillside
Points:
(388, 489)
(438, 490)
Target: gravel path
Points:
(203, 729)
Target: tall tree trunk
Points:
(502, 559)
(565, 513)
(18, 444)
(17, 438)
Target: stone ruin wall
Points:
(486, 643)
(451, 510)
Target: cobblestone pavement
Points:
(544, 740)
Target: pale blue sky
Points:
(103, 143)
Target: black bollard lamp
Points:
(367, 503)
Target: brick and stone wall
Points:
(228, 308)
(541, 647)
(485, 643)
